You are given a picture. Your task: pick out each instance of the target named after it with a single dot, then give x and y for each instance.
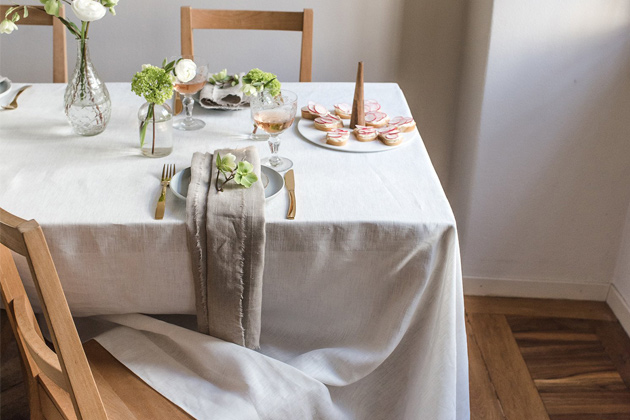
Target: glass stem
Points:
(274, 145)
(188, 102)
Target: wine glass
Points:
(192, 77)
(275, 115)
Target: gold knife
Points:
(289, 182)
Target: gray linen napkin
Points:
(232, 96)
(226, 241)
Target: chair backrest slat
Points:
(251, 20)
(76, 376)
(38, 16)
(44, 357)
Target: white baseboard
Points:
(480, 286)
(620, 307)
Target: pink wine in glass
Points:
(273, 121)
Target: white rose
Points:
(88, 10)
(6, 27)
(185, 70)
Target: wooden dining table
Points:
(362, 289)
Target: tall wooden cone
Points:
(358, 112)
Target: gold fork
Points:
(167, 173)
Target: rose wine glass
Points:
(275, 115)
(190, 77)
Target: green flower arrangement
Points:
(242, 173)
(155, 85)
(257, 81)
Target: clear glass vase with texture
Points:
(86, 101)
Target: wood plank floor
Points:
(530, 359)
(546, 359)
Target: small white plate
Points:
(272, 180)
(5, 86)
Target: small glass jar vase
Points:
(158, 134)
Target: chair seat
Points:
(124, 395)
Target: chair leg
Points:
(6, 331)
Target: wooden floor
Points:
(546, 359)
(530, 359)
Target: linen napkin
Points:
(226, 241)
(230, 97)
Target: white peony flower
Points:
(6, 27)
(185, 70)
(88, 10)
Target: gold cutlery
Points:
(289, 182)
(13, 104)
(167, 173)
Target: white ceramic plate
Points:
(309, 132)
(5, 86)
(271, 179)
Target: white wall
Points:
(542, 187)
(429, 69)
(619, 295)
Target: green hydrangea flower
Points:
(153, 83)
(257, 81)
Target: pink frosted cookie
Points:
(343, 110)
(405, 124)
(390, 136)
(376, 119)
(328, 122)
(371, 105)
(365, 133)
(337, 137)
(313, 110)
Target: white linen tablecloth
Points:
(362, 291)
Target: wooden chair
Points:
(38, 16)
(74, 381)
(249, 19)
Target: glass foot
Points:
(284, 164)
(189, 125)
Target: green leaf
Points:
(25, 12)
(11, 9)
(218, 160)
(52, 7)
(145, 124)
(72, 27)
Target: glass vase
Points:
(158, 134)
(86, 100)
